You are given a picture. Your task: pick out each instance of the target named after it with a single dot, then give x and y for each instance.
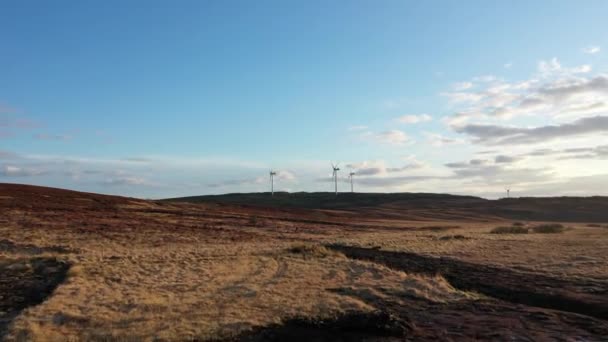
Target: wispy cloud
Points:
(460, 86)
(17, 171)
(281, 176)
(505, 135)
(390, 137)
(591, 50)
(414, 118)
(378, 167)
(555, 92)
(7, 109)
(438, 140)
(8, 155)
(52, 137)
(125, 180)
(498, 173)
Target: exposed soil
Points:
(486, 320)
(374, 326)
(11, 247)
(521, 314)
(583, 296)
(27, 282)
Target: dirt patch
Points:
(453, 237)
(483, 320)
(357, 326)
(11, 247)
(583, 296)
(27, 282)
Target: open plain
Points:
(85, 267)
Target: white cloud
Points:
(414, 118)
(357, 128)
(390, 137)
(559, 92)
(591, 50)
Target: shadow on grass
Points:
(25, 283)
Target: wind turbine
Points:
(335, 169)
(350, 175)
(508, 192)
(272, 174)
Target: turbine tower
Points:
(335, 170)
(272, 174)
(508, 192)
(350, 175)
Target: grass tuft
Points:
(309, 250)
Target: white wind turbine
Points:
(508, 192)
(272, 174)
(350, 175)
(335, 170)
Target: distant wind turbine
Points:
(508, 192)
(272, 174)
(350, 175)
(335, 170)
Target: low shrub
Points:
(519, 224)
(254, 221)
(595, 225)
(453, 237)
(549, 228)
(509, 230)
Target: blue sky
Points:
(159, 98)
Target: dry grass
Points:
(153, 277)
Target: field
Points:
(86, 267)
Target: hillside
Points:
(383, 267)
(425, 205)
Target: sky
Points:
(159, 99)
